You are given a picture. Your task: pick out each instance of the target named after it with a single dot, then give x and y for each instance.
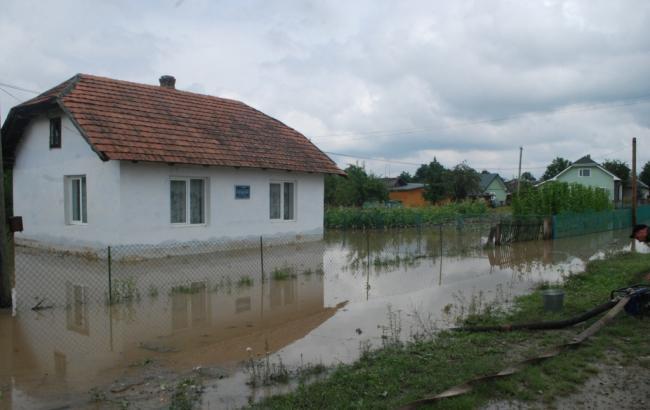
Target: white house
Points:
(97, 162)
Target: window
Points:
(77, 200)
(282, 200)
(55, 132)
(187, 198)
(585, 172)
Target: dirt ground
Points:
(614, 387)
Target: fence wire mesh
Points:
(48, 278)
(122, 274)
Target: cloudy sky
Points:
(389, 84)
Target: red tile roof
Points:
(129, 121)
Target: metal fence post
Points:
(110, 278)
(367, 264)
(262, 257)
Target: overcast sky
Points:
(400, 81)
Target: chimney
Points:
(167, 81)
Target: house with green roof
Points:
(493, 187)
(588, 172)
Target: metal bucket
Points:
(553, 299)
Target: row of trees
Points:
(456, 183)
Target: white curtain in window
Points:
(84, 214)
(197, 200)
(76, 195)
(275, 199)
(178, 195)
(288, 200)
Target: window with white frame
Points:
(76, 198)
(282, 199)
(585, 172)
(188, 201)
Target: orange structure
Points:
(410, 195)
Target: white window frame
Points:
(188, 208)
(585, 172)
(295, 200)
(70, 205)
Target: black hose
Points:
(556, 324)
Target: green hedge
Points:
(359, 218)
(553, 198)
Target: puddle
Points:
(317, 303)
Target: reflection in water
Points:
(207, 310)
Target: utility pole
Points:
(519, 175)
(6, 276)
(633, 181)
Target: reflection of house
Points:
(98, 161)
(586, 171)
(198, 316)
(493, 188)
(410, 194)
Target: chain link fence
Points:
(49, 278)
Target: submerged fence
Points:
(565, 225)
(47, 278)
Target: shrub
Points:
(554, 198)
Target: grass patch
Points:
(283, 273)
(245, 282)
(186, 394)
(124, 290)
(189, 289)
(397, 374)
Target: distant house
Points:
(588, 172)
(410, 194)
(642, 191)
(493, 188)
(98, 161)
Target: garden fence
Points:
(569, 224)
(47, 278)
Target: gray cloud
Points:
(389, 79)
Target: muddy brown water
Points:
(318, 304)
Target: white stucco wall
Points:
(129, 203)
(38, 188)
(145, 200)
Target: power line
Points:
(19, 88)
(9, 94)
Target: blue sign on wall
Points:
(242, 191)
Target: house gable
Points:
(42, 178)
(137, 122)
(596, 178)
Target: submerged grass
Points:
(397, 374)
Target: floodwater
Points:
(318, 303)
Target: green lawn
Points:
(395, 375)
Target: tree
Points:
(556, 166)
(644, 176)
(422, 172)
(436, 181)
(357, 188)
(405, 176)
(527, 176)
(464, 181)
(618, 168)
